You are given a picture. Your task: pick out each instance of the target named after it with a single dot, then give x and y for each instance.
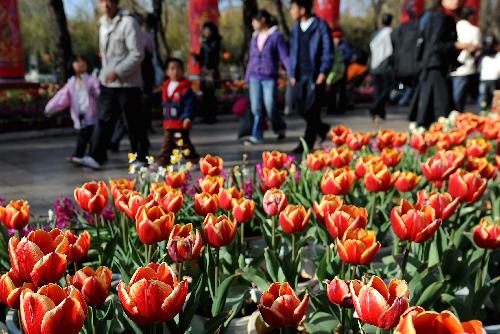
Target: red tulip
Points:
(317, 160)
(443, 164)
(364, 163)
(205, 203)
(294, 218)
(391, 139)
(407, 181)
(356, 141)
(379, 178)
(11, 287)
(117, 186)
(419, 143)
(358, 246)
(274, 202)
(478, 147)
(129, 202)
(175, 179)
(153, 224)
(340, 157)
(491, 130)
(339, 134)
(273, 178)
(391, 157)
(417, 320)
(153, 294)
(482, 167)
(243, 210)
(39, 257)
(211, 165)
(219, 231)
(487, 234)
(338, 292)
(379, 304)
(274, 159)
(455, 137)
(226, 197)
(468, 187)
(338, 181)
(442, 203)
(92, 197)
(94, 285)
(15, 215)
(52, 310)
(184, 244)
(158, 191)
(280, 306)
(327, 205)
(415, 223)
(78, 245)
(497, 159)
(211, 184)
(172, 201)
(344, 218)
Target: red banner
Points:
(411, 10)
(11, 48)
(199, 11)
(476, 4)
(328, 10)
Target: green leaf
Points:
(109, 252)
(273, 266)
(254, 276)
(220, 295)
(213, 325)
(192, 303)
(430, 294)
(321, 323)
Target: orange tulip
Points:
(338, 292)
(219, 231)
(211, 165)
(358, 246)
(338, 181)
(159, 189)
(491, 130)
(15, 215)
(391, 157)
(442, 203)
(243, 210)
(129, 202)
(94, 285)
(184, 244)
(226, 197)
(344, 218)
(172, 201)
(455, 137)
(92, 196)
(478, 147)
(116, 186)
(391, 139)
(443, 164)
(356, 141)
(153, 224)
(295, 218)
(11, 287)
(339, 134)
(379, 178)
(52, 310)
(78, 245)
(205, 203)
(482, 167)
(317, 160)
(416, 320)
(340, 157)
(468, 187)
(379, 304)
(327, 205)
(487, 234)
(364, 163)
(419, 143)
(211, 184)
(274, 202)
(415, 223)
(273, 178)
(175, 179)
(407, 181)
(274, 159)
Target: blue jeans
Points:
(486, 89)
(263, 93)
(459, 91)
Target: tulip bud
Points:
(391, 139)
(339, 134)
(356, 141)
(340, 157)
(327, 205)
(117, 186)
(211, 184)
(338, 181)
(274, 159)
(219, 231)
(129, 202)
(15, 215)
(184, 244)
(442, 203)
(273, 178)
(478, 147)
(211, 165)
(487, 234)
(205, 203)
(243, 210)
(78, 246)
(317, 160)
(11, 287)
(364, 163)
(338, 292)
(407, 181)
(274, 202)
(414, 223)
(92, 197)
(391, 157)
(468, 187)
(482, 167)
(443, 164)
(358, 246)
(344, 218)
(94, 285)
(226, 197)
(294, 219)
(175, 179)
(379, 178)
(172, 201)
(153, 224)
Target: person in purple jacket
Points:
(267, 49)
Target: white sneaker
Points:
(253, 141)
(76, 160)
(89, 162)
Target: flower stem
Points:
(344, 270)
(479, 280)
(179, 269)
(94, 320)
(293, 249)
(96, 221)
(405, 259)
(124, 231)
(242, 238)
(273, 226)
(343, 319)
(216, 268)
(372, 210)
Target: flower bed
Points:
(386, 232)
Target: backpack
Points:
(405, 41)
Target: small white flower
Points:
(161, 171)
(144, 170)
(177, 135)
(442, 120)
(170, 168)
(50, 213)
(131, 169)
(453, 116)
(412, 126)
(150, 159)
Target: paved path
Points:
(35, 169)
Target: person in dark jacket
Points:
(179, 104)
(267, 49)
(437, 53)
(310, 63)
(209, 59)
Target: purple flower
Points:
(2, 201)
(88, 217)
(297, 176)
(248, 189)
(259, 170)
(65, 212)
(108, 214)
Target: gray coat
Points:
(121, 50)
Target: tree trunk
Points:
(64, 50)
(249, 10)
(162, 49)
(281, 17)
(377, 11)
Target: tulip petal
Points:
(67, 318)
(372, 304)
(49, 269)
(390, 318)
(271, 317)
(33, 307)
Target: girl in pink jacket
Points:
(80, 95)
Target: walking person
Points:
(80, 95)
(337, 79)
(437, 53)
(310, 63)
(469, 42)
(381, 68)
(267, 49)
(121, 81)
(489, 66)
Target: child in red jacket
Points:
(179, 103)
